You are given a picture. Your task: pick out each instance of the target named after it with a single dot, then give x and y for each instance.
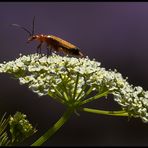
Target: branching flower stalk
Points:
(74, 82)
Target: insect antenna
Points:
(33, 25)
(16, 25)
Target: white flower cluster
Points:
(70, 80)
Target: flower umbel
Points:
(71, 81)
(15, 129)
(20, 127)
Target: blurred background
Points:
(114, 33)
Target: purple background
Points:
(116, 34)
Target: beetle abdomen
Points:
(59, 44)
(72, 51)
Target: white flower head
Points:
(70, 79)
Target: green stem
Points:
(79, 95)
(58, 93)
(75, 89)
(54, 128)
(87, 92)
(64, 88)
(56, 97)
(111, 113)
(94, 98)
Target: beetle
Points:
(53, 43)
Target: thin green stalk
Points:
(56, 97)
(94, 98)
(59, 94)
(87, 92)
(83, 88)
(110, 113)
(54, 128)
(76, 84)
(65, 96)
(63, 86)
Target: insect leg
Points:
(49, 48)
(39, 48)
(47, 52)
